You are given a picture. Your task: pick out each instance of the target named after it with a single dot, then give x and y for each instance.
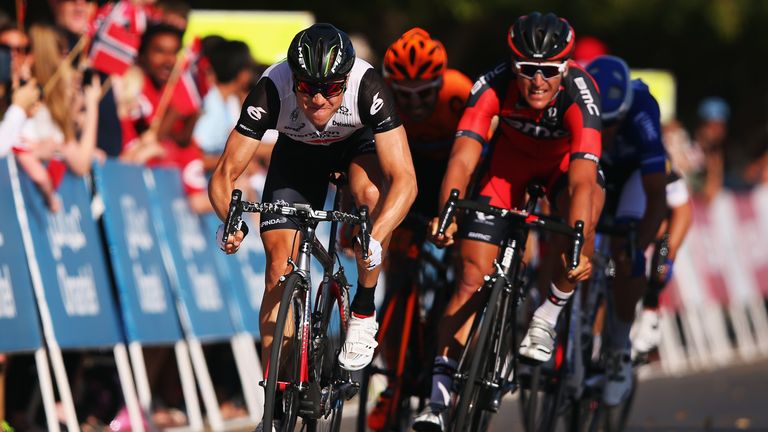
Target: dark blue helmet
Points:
(613, 79)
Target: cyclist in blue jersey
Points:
(634, 163)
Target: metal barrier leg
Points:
(247, 377)
(206, 385)
(46, 389)
(129, 390)
(188, 387)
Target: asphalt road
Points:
(735, 398)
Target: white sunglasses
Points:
(548, 70)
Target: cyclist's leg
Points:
(477, 245)
(298, 173)
(368, 187)
(538, 342)
(628, 287)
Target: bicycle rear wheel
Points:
(469, 415)
(335, 382)
(281, 394)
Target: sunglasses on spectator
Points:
(18, 49)
(328, 90)
(548, 70)
(423, 91)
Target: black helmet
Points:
(541, 38)
(321, 53)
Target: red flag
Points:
(116, 31)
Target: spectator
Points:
(55, 136)
(172, 126)
(73, 17)
(708, 140)
(232, 67)
(17, 43)
(677, 143)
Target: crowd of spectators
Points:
(61, 112)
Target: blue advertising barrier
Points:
(69, 252)
(19, 325)
(146, 300)
(242, 274)
(193, 272)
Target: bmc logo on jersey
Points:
(534, 130)
(586, 94)
(255, 112)
(377, 104)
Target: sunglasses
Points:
(423, 91)
(328, 90)
(548, 70)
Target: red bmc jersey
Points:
(531, 145)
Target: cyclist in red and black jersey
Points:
(549, 131)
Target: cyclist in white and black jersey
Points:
(332, 112)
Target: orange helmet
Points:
(415, 56)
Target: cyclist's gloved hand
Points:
(232, 239)
(374, 253)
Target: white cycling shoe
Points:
(619, 373)
(357, 351)
(648, 333)
(429, 420)
(539, 341)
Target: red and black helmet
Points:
(540, 37)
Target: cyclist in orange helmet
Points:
(430, 100)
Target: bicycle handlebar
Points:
(234, 215)
(302, 211)
(525, 218)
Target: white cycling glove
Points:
(374, 247)
(220, 234)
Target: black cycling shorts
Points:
(299, 172)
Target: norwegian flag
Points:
(186, 95)
(116, 34)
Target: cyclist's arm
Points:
(465, 156)
(654, 185)
(645, 126)
(238, 153)
(259, 114)
(397, 167)
(473, 130)
(582, 180)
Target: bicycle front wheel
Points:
(470, 415)
(281, 395)
(335, 382)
